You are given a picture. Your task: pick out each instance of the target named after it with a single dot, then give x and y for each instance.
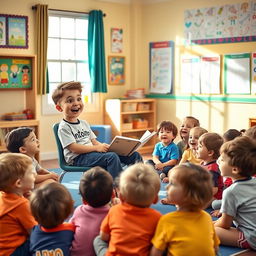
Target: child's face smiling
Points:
(225, 168)
(71, 104)
(186, 125)
(166, 137)
(193, 139)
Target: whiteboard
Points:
(237, 73)
(161, 67)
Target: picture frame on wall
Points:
(13, 31)
(116, 70)
(116, 40)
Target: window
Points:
(67, 53)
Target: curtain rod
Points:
(34, 8)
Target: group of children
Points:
(194, 170)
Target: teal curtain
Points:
(96, 52)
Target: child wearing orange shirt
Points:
(130, 226)
(17, 176)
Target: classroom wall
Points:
(118, 15)
(164, 21)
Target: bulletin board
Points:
(15, 73)
(161, 67)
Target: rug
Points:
(71, 181)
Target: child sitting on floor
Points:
(189, 154)
(187, 123)
(209, 150)
(51, 204)
(17, 176)
(190, 189)
(78, 141)
(130, 226)
(23, 140)
(166, 153)
(238, 207)
(96, 189)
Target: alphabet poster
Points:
(221, 24)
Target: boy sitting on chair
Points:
(78, 141)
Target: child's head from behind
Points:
(167, 132)
(16, 173)
(62, 88)
(231, 134)
(139, 185)
(187, 123)
(238, 156)
(190, 187)
(194, 135)
(22, 140)
(96, 187)
(209, 146)
(251, 132)
(51, 204)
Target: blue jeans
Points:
(165, 170)
(110, 161)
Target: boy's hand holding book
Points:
(102, 147)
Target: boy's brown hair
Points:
(197, 185)
(139, 185)
(61, 88)
(13, 166)
(194, 120)
(96, 187)
(242, 154)
(51, 204)
(15, 138)
(231, 134)
(212, 141)
(251, 132)
(168, 126)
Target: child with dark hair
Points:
(187, 123)
(23, 140)
(238, 207)
(231, 134)
(51, 204)
(96, 189)
(17, 177)
(251, 132)
(190, 189)
(166, 153)
(209, 150)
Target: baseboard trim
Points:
(49, 155)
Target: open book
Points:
(125, 146)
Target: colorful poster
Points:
(221, 24)
(161, 66)
(116, 40)
(2, 30)
(253, 77)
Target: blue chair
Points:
(62, 162)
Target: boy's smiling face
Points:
(71, 105)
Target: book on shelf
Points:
(125, 146)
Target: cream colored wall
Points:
(164, 21)
(118, 15)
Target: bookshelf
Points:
(131, 118)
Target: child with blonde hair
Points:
(187, 123)
(130, 226)
(51, 204)
(190, 189)
(17, 177)
(238, 207)
(189, 154)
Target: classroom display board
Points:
(237, 73)
(221, 24)
(253, 72)
(161, 67)
(200, 74)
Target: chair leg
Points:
(62, 176)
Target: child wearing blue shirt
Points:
(166, 153)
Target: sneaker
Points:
(162, 176)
